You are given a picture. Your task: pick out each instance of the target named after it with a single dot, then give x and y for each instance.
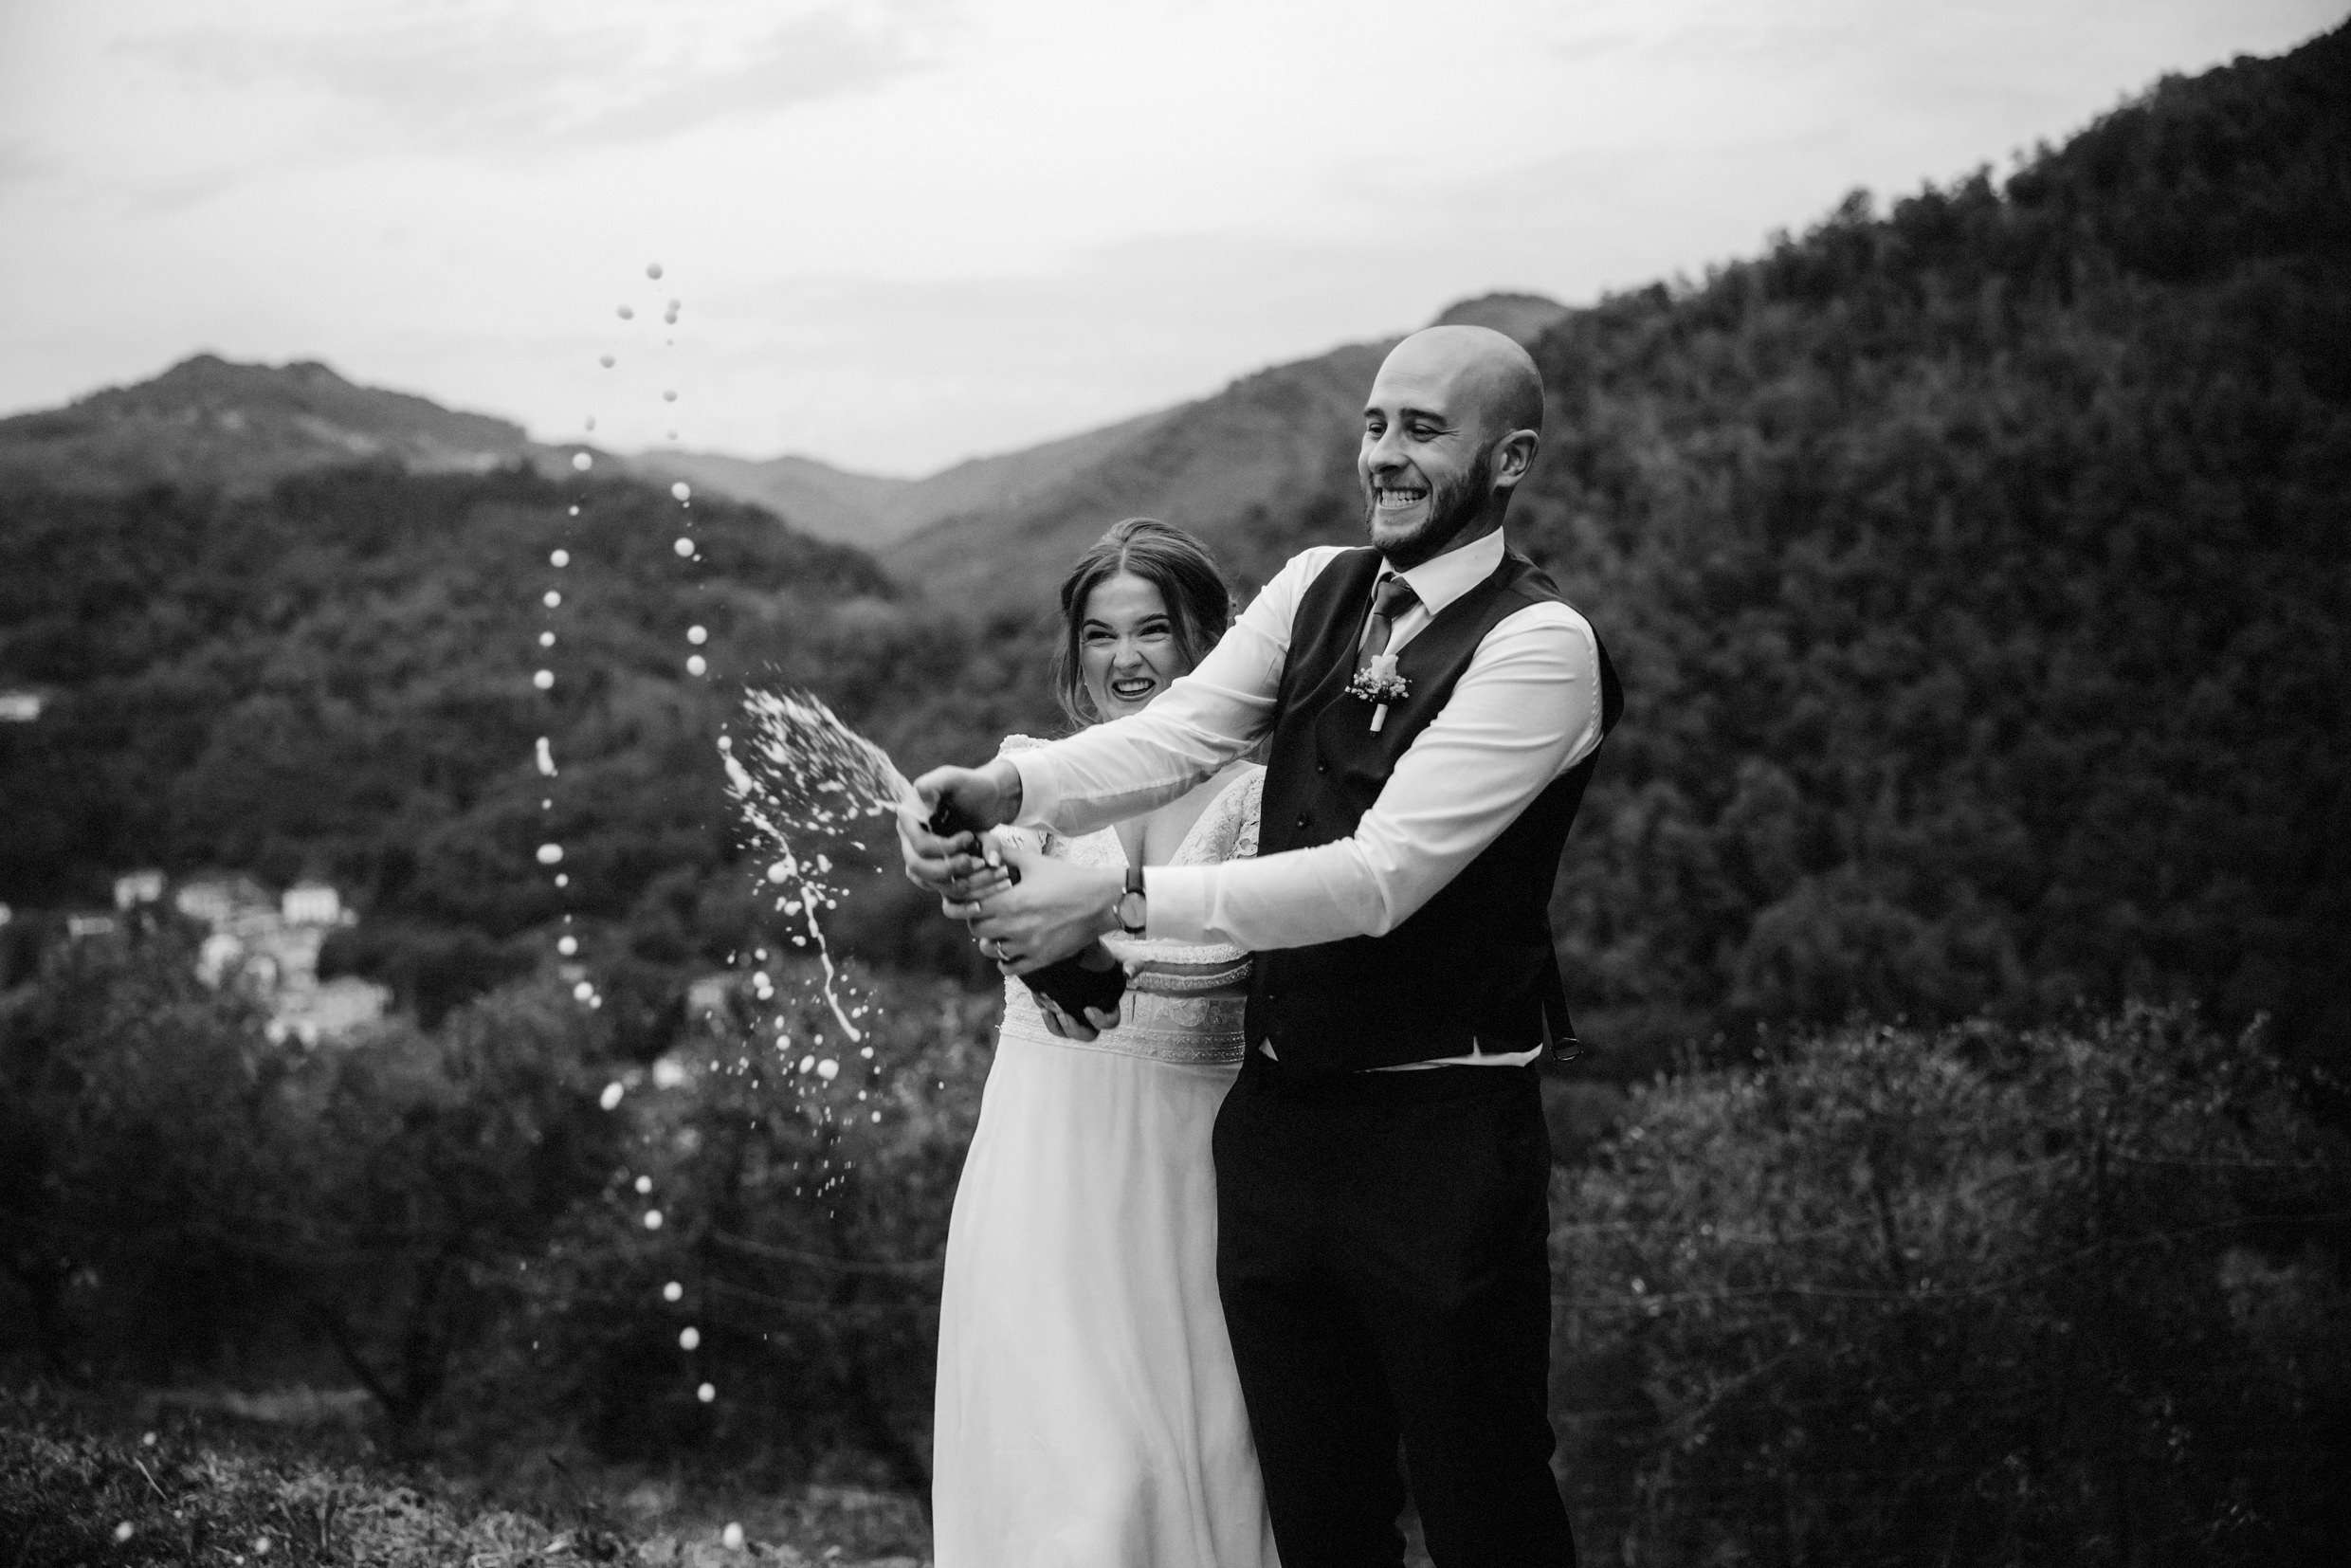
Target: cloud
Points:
(526, 78)
(21, 162)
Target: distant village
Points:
(264, 947)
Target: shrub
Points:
(1963, 1296)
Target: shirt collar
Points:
(1439, 582)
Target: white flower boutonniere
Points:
(1377, 681)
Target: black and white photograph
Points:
(1175, 784)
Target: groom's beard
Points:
(1451, 508)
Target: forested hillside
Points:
(1981, 576)
(1978, 569)
(336, 681)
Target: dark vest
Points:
(1474, 967)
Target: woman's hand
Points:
(1088, 1027)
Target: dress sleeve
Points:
(1252, 810)
(1046, 841)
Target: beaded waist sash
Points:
(1191, 1020)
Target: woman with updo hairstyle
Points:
(1089, 1413)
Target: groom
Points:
(1434, 708)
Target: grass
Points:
(74, 1493)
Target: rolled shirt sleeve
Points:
(1525, 710)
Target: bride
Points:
(1088, 1415)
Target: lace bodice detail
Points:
(1184, 1000)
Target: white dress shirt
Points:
(1525, 711)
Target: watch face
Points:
(1132, 912)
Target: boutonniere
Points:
(1377, 681)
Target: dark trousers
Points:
(1382, 1255)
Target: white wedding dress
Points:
(1088, 1415)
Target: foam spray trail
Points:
(801, 770)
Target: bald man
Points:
(1434, 708)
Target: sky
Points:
(903, 232)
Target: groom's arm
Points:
(1116, 770)
(1525, 710)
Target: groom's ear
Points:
(1514, 454)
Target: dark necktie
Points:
(1392, 599)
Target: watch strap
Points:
(1134, 890)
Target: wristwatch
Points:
(1131, 909)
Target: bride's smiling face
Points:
(1127, 650)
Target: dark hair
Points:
(1170, 560)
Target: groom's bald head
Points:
(1486, 370)
(1451, 426)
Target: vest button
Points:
(1322, 767)
(1301, 819)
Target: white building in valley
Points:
(270, 947)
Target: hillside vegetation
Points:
(1979, 571)
(1981, 577)
(336, 681)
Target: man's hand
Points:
(1052, 910)
(956, 866)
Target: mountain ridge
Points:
(210, 423)
(1253, 470)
